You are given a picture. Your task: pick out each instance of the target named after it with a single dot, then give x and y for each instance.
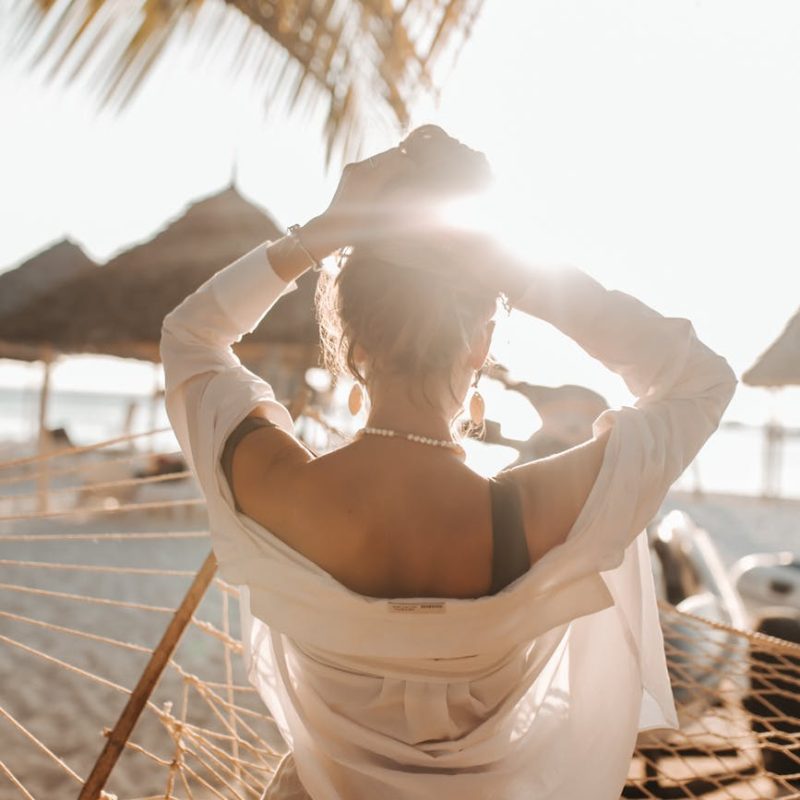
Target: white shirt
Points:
(535, 692)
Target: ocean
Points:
(87, 417)
(732, 462)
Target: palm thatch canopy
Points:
(48, 270)
(358, 57)
(780, 364)
(117, 309)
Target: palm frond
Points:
(361, 58)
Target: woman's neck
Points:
(399, 413)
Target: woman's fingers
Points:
(428, 148)
(395, 191)
(390, 164)
(424, 133)
(365, 181)
(392, 159)
(446, 165)
(429, 143)
(393, 154)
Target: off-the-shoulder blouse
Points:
(537, 691)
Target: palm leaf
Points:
(362, 59)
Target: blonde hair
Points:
(413, 322)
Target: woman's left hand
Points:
(394, 192)
(360, 204)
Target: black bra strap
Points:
(247, 425)
(510, 556)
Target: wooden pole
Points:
(148, 681)
(773, 446)
(155, 397)
(43, 482)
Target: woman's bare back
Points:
(391, 518)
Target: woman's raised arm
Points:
(682, 389)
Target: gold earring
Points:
(355, 399)
(477, 406)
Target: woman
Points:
(416, 630)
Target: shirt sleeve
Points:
(681, 387)
(208, 390)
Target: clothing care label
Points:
(427, 607)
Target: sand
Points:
(66, 711)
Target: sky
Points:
(652, 143)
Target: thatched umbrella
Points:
(777, 367)
(118, 309)
(780, 364)
(51, 268)
(362, 59)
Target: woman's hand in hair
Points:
(359, 202)
(387, 198)
(446, 167)
(395, 192)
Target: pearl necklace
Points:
(415, 437)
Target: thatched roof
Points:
(362, 59)
(47, 270)
(117, 309)
(51, 268)
(780, 364)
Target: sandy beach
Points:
(66, 710)
(740, 524)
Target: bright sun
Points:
(503, 213)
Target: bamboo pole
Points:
(148, 681)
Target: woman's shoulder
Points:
(382, 524)
(554, 491)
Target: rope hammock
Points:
(111, 613)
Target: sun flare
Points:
(505, 214)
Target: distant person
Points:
(416, 630)
(56, 439)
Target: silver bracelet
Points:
(293, 231)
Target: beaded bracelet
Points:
(294, 232)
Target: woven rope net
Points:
(91, 578)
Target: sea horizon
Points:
(731, 462)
